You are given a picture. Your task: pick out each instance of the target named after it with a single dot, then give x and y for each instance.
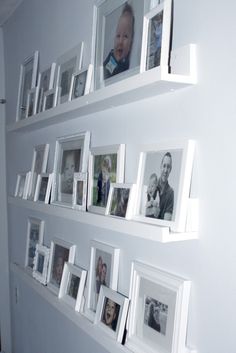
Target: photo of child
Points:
(79, 84)
(154, 41)
(61, 255)
(153, 197)
(156, 314)
(110, 313)
(70, 165)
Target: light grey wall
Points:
(205, 112)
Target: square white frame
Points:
(83, 177)
(48, 188)
(50, 98)
(46, 75)
(72, 142)
(166, 8)
(54, 287)
(79, 272)
(44, 151)
(32, 102)
(87, 79)
(123, 302)
(21, 191)
(39, 223)
(184, 170)
(32, 63)
(76, 54)
(45, 252)
(130, 202)
(172, 291)
(91, 296)
(120, 167)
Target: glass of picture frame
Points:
(46, 83)
(121, 201)
(81, 83)
(22, 185)
(50, 98)
(35, 230)
(40, 267)
(43, 187)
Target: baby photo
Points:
(70, 165)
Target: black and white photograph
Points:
(80, 191)
(81, 83)
(73, 286)
(34, 236)
(70, 165)
(41, 260)
(155, 315)
(121, 200)
(154, 41)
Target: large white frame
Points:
(38, 224)
(171, 293)
(184, 151)
(41, 275)
(79, 141)
(104, 151)
(91, 296)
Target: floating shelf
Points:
(134, 88)
(130, 227)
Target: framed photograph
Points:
(22, 185)
(60, 253)
(106, 166)
(32, 99)
(71, 157)
(111, 313)
(50, 98)
(158, 311)
(103, 270)
(46, 83)
(118, 31)
(156, 44)
(43, 187)
(72, 285)
(163, 184)
(120, 201)
(39, 165)
(28, 80)
(81, 83)
(41, 259)
(35, 231)
(68, 64)
(80, 191)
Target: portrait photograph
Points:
(81, 83)
(35, 231)
(120, 201)
(80, 191)
(41, 259)
(155, 315)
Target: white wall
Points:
(205, 112)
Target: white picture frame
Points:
(163, 183)
(27, 81)
(68, 63)
(81, 82)
(105, 162)
(156, 40)
(71, 156)
(41, 260)
(50, 98)
(80, 191)
(60, 252)
(158, 310)
(72, 285)
(32, 101)
(45, 83)
(34, 236)
(111, 313)
(103, 270)
(22, 185)
(120, 201)
(43, 187)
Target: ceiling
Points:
(7, 7)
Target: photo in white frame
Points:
(43, 187)
(22, 185)
(80, 191)
(41, 260)
(81, 83)
(45, 83)
(121, 200)
(32, 101)
(35, 232)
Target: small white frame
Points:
(73, 296)
(65, 251)
(103, 256)
(160, 55)
(80, 191)
(111, 313)
(32, 101)
(41, 261)
(83, 79)
(35, 231)
(76, 145)
(68, 63)
(50, 98)
(158, 311)
(115, 157)
(43, 187)
(180, 160)
(22, 185)
(45, 83)
(120, 201)
(28, 80)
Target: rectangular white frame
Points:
(185, 172)
(80, 140)
(123, 302)
(79, 272)
(21, 191)
(90, 294)
(130, 202)
(45, 252)
(71, 258)
(83, 177)
(44, 149)
(45, 83)
(166, 8)
(48, 189)
(32, 102)
(22, 92)
(173, 341)
(40, 224)
(77, 53)
(87, 80)
(50, 98)
(120, 167)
